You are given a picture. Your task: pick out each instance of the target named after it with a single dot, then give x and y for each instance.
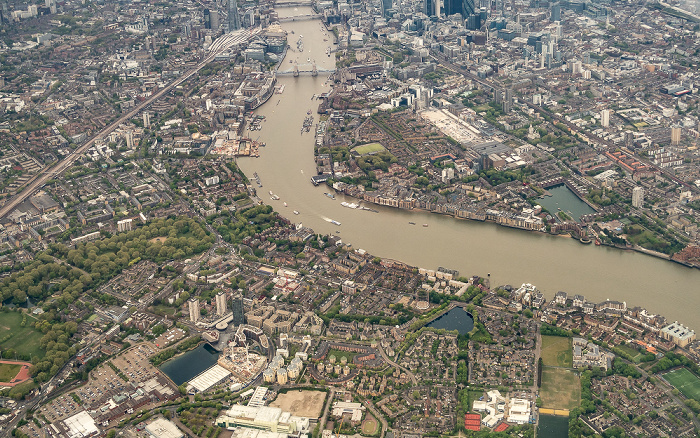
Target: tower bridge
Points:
(305, 69)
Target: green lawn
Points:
(557, 351)
(338, 354)
(368, 148)
(168, 310)
(8, 371)
(685, 381)
(633, 352)
(561, 389)
(24, 340)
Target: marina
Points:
(185, 367)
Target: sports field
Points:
(369, 426)
(561, 389)
(685, 381)
(368, 148)
(557, 351)
(8, 371)
(23, 340)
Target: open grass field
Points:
(24, 340)
(561, 389)
(168, 310)
(338, 354)
(557, 351)
(8, 371)
(302, 403)
(369, 426)
(636, 355)
(368, 148)
(685, 381)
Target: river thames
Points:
(510, 256)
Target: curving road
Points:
(396, 365)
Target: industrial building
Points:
(78, 426)
(162, 428)
(263, 418)
(352, 409)
(207, 379)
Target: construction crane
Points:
(340, 426)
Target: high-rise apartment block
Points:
(193, 304)
(637, 197)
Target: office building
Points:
(220, 303)
(637, 197)
(207, 19)
(237, 304)
(386, 5)
(214, 21)
(431, 8)
(234, 21)
(473, 22)
(605, 118)
(555, 12)
(193, 304)
(678, 333)
(463, 7)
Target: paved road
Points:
(220, 45)
(395, 365)
(322, 423)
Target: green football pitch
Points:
(685, 381)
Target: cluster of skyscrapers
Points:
(473, 17)
(221, 308)
(213, 21)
